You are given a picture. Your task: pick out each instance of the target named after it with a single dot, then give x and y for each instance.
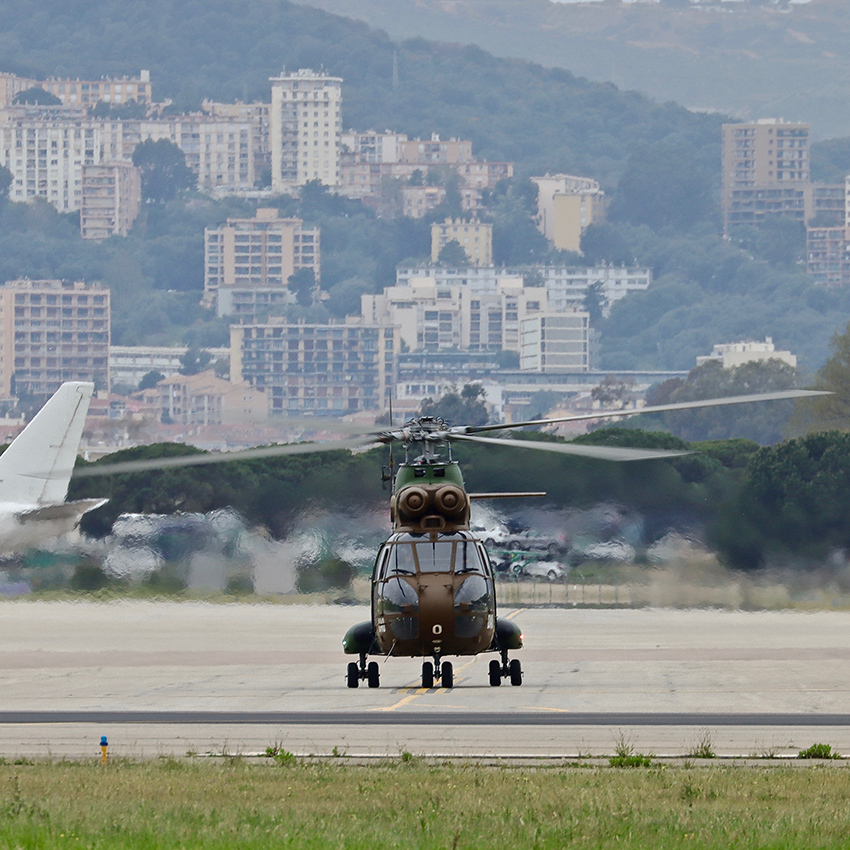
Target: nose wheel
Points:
(505, 669)
(438, 670)
(370, 673)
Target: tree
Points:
(594, 301)
(611, 393)
(303, 284)
(5, 183)
(829, 412)
(464, 408)
(765, 423)
(37, 96)
(194, 361)
(150, 380)
(453, 255)
(119, 111)
(164, 170)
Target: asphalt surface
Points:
(176, 678)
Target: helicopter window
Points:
(401, 560)
(435, 557)
(472, 595)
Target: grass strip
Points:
(268, 803)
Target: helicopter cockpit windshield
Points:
(409, 554)
(406, 564)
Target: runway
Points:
(174, 678)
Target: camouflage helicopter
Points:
(433, 589)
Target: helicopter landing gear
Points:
(442, 671)
(370, 672)
(505, 670)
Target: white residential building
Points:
(305, 129)
(566, 286)
(732, 354)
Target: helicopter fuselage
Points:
(433, 592)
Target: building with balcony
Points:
(474, 237)
(765, 172)
(305, 129)
(52, 331)
(566, 205)
(323, 369)
(111, 199)
(248, 262)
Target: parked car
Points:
(544, 569)
(612, 550)
(493, 536)
(529, 541)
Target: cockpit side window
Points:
(401, 560)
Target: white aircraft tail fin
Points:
(36, 468)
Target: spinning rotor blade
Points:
(599, 452)
(152, 464)
(658, 408)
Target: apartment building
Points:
(474, 237)
(431, 317)
(52, 331)
(46, 156)
(111, 199)
(305, 129)
(248, 262)
(566, 205)
(566, 286)
(128, 364)
(555, 342)
(111, 90)
(324, 369)
(765, 172)
(258, 115)
(733, 354)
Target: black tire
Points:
(554, 549)
(495, 673)
(552, 575)
(515, 669)
(447, 675)
(514, 545)
(353, 675)
(490, 543)
(427, 675)
(373, 675)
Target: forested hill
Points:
(542, 119)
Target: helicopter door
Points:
(474, 598)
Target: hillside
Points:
(541, 119)
(748, 60)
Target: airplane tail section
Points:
(36, 468)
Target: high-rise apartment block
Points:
(257, 114)
(248, 262)
(765, 172)
(52, 331)
(46, 157)
(555, 342)
(474, 237)
(305, 129)
(316, 368)
(111, 199)
(566, 205)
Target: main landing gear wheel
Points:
(370, 673)
(515, 672)
(447, 675)
(427, 675)
(505, 670)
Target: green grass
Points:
(259, 803)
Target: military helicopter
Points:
(433, 590)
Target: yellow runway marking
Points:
(544, 708)
(418, 692)
(515, 613)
